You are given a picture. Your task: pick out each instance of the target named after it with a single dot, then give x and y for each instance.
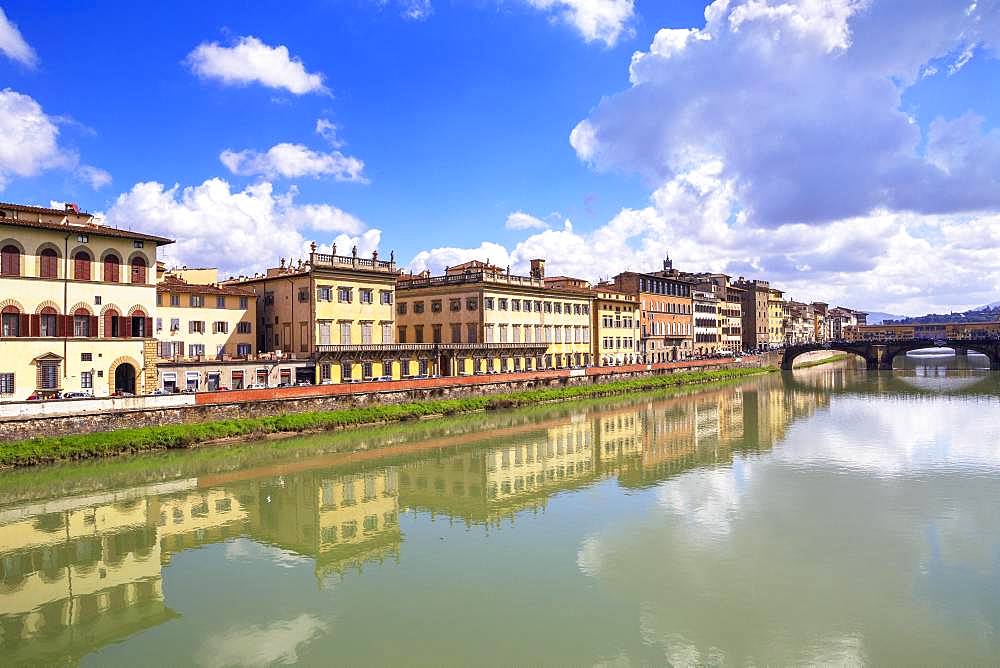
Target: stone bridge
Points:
(878, 355)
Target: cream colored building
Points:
(616, 326)
(707, 318)
(206, 333)
(775, 318)
(77, 300)
(488, 320)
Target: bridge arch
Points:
(858, 349)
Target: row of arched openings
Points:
(83, 261)
(48, 322)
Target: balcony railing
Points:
(351, 261)
(469, 277)
(427, 347)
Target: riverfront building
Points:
(616, 330)
(706, 322)
(484, 319)
(776, 315)
(666, 314)
(76, 302)
(756, 323)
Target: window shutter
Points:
(108, 319)
(36, 327)
(22, 325)
(149, 327)
(124, 327)
(61, 325)
(92, 330)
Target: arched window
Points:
(140, 324)
(81, 322)
(48, 264)
(138, 270)
(112, 266)
(112, 324)
(10, 261)
(48, 322)
(81, 266)
(10, 321)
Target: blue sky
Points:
(826, 146)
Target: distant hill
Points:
(877, 317)
(988, 313)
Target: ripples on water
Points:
(828, 516)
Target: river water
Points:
(826, 516)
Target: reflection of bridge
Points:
(878, 355)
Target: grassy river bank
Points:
(147, 439)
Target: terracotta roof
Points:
(174, 284)
(79, 228)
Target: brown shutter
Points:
(149, 327)
(61, 325)
(35, 329)
(92, 330)
(107, 326)
(124, 327)
(23, 324)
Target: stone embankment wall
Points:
(23, 420)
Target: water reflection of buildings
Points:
(487, 485)
(81, 572)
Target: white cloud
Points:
(596, 20)
(328, 131)
(239, 232)
(95, 176)
(520, 220)
(30, 142)
(289, 161)
(261, 645)
(12, 43)
(412, 10)
(436, 259)
(252, 61)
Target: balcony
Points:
(406, 282)
(321, 260)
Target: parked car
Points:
(74, 394)
(160, 390)
(122, 393)
(304, 383)
(256, 386)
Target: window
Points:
(437, 333)
(175, 324)
(385, 297)
(11, 321)
(196, 327)
(558, 307)
(503, 333)
(456, 333)
(47, 322)
(548, 307)
(10, 261)
(366, 370)
(193, 379)
(435, 306)
(220, 301)
(324, 371)
(471, 332)
(488, 303)
(81, 266)
(87, 380)
(471, 303)
(344, 295)
(112, 267)
(455, 304)
(418, 307)
(220, 327)
(138, 270)
(244, 327)
(137, 244)
(345, 371)
(324, 293)
(401, 333)
(366, 333)
(303, 295)
(386, 332)
(502, 304)
(401, 308)
(86, 357)
(418, 333)
(175, 300)
(244, 303)
(6, 383)
(81, 323)
(515, 305)
(196, 350)
(49, 264)
(48, 375)
(197, 301)
(139, 324)
(243, 349)
(345, 333)
(82, 238)
(367, 295)
(489, 333)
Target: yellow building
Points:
(334, 310)
(615, 326)
(775, 318)
(76, 300)
(496, 321)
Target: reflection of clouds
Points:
(260, 645)
(676, 648)
(707, 502)
(847, 650)
(243, 549)
(588, 557)
(898, 437)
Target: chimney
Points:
(538, 269)
(72, 207)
